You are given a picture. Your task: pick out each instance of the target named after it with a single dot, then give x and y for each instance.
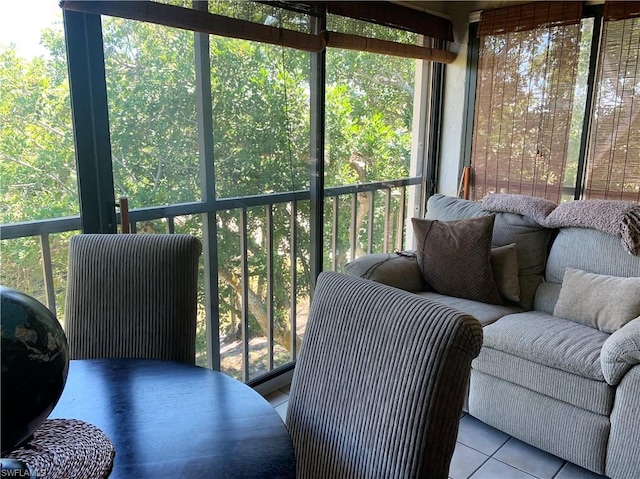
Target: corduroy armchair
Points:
(132, 296)
(380, 382)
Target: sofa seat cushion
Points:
(550, 341)
(585, 393)
(483, 312)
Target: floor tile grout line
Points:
(527, 472)
(564, 464)
(481, 452)
(478, 468)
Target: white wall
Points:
(455, 76)
(454, 104)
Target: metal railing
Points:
(391, 210)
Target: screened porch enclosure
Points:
(282, 161)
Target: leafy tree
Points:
(261, 145)
(37, 164)
(36, 140)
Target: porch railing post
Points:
(47, 272)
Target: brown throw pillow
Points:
(454, 257)
(504, 265)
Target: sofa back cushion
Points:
(590, 250)
(531, 239)
(586, 249)
(532, 244)
(449, 208)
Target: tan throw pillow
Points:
(504, 265)
(597, 300)
(454, 257)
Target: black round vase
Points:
(35, 362)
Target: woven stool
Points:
(67, 449)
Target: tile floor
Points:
(483, 452)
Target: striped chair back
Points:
(132, 296)
(380, 382)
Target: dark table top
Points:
(174, 420)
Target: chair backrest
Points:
(379, 384)
(132, 296)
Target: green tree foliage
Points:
(36, 140)
(369, 108)
(261, 133)
(152, 112)
(37, 163)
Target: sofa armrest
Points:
(620, 352)
(399, 270)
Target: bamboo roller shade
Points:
(204, 22)
(528, 16)
(373, 45)
(621, 10)
(399, 17)
(613, 155)
(523, 111)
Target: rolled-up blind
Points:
(613, 158)
(621, 10)
(529, 16)
(199, 21)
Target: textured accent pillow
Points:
(504, 265)
(454, 257)
(597, 300)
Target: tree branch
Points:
(50, 128)
(397, 82)
(281, 336)
(40, 171)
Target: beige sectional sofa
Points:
(560, 362)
